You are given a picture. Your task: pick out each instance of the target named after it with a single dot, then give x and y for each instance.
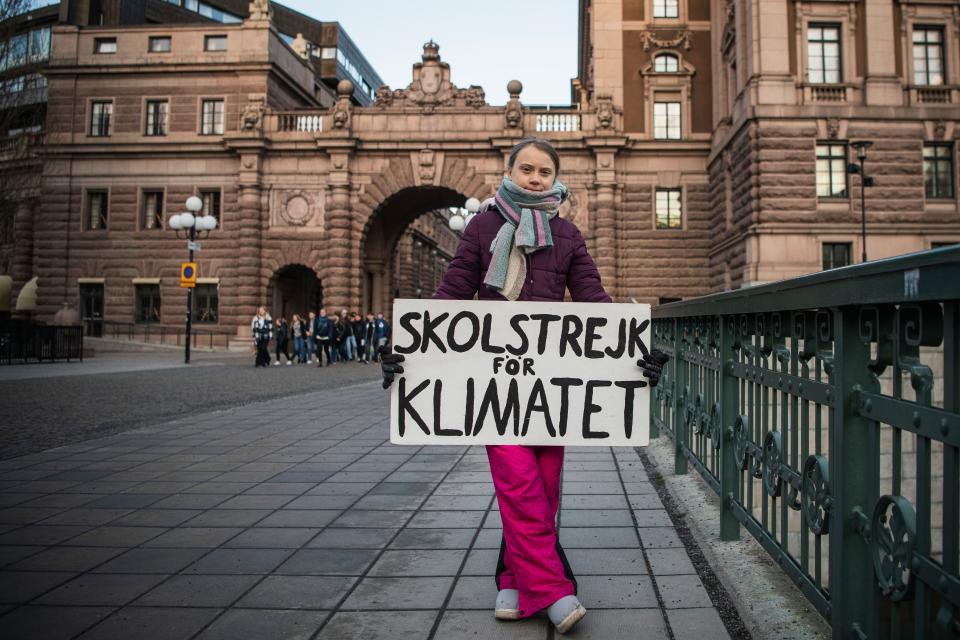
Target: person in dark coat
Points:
(513, 252)
(262, 330)
(283, 341)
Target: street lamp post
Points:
(459, 220)
(191, 224)
(865, 181)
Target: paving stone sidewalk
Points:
(295, 518)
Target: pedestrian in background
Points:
(311, 336)
(262, 330)
(298, 330)
(324, 337)
(283, 340)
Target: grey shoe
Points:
(566, 612)
(508, 605)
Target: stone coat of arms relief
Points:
(431, 87)
(296, 208)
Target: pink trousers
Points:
(527, 482)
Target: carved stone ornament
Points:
(605, 111)
(513, 114)
(301, 46)
(342, 109)
(833, 128)
(940, 129)
(428, 168)
(431, 87)
(651, 41)
(260, 10)
(296, 208)
(251, 118)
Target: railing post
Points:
(854, 456)
(729, 409)
(679, 401)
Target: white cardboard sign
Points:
(532, 373)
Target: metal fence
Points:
(22, 342)
(155, 333)
(825, 413)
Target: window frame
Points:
(223, 116)
(926, 28)
(950, 160)
(835, 245)
(160, 216)
(201, 192)
(838, 26)
(103, 223)
(666, 4)
(98, 44)
(198, 300)
(151, 40)
(666, 56)
(138, 308)
(147, 102)
(843, 157)
(680, 213)
(667, 128)
(93, 104)
(209, 38)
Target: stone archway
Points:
(294, 288)
(391, 202)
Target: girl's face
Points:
(533, 170)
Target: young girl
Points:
(518, 248)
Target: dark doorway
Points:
(296, 289)
(91, 307)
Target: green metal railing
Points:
(825, 413)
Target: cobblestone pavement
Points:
(52, 404)
(295, 518)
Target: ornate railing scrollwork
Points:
(741, 438)
(716, 429)
(816, 501)
(772, 458)
(893, 537)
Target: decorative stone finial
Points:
(431, 51)
(345, 88)
(514, 88)
(260, 10)
(301, 46)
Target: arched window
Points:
(666, 63)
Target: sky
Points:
(486, 42)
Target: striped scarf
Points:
(526, 229)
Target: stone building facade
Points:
(690, 150)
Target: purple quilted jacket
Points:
(566, 265)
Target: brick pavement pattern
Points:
(295, 518)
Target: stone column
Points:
(22, 268)
(605, 235)
(881, 82)
(336, 263)
(770, 53)
(247, 286)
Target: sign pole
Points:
(193, 234)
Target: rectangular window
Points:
(211, 122)
(832, 170)
(823, 54)
(215, 43)
(156, 124)
(666, 8)
(211, 203)
(666, 120)
(938, 171)
(39, 44)
(836, 254)
(159, 44)
(96, 214)
(104, 45)
(206, 304)
(152, 214)
(101, 113)
(148, 302)
(928, 55)
(328, 53)
(668, 209)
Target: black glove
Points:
(652, 365)
(389, 364)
